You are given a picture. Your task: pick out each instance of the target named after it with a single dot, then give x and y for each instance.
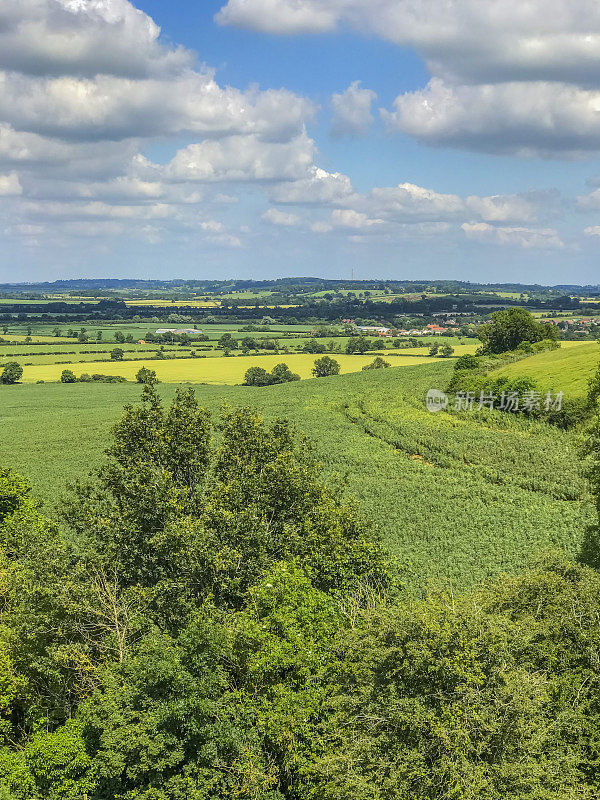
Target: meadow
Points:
(457, 497)
(568, 369)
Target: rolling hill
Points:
(457, 498)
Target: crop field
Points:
(568, 369)
(458, 498)
(223, 370)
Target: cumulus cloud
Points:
(352, 111)
(545, 238)
(85, 38)
(280, 16)
(318, 187)
(348, 218)
(10, 185)
(114, 108)
(526, 119)
(508, 77)
(281, 218)
(85, 85)
(408, 201)
(474, 41)
(242, 158)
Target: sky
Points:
(404, 139)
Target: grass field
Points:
(207, 370)
(568, 369)
(457, 498)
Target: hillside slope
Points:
(568, 369)
(457, 498)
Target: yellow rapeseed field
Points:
(207, 370)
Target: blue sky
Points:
(260, 138)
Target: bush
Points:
(377, 363)
(108, 378)
(117, 354)
(12, 373)
(467, 361)
(68, 376)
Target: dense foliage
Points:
(507, 329)
(258, 376)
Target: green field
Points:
(457, 498)
(568, 369)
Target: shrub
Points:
(467, 361)
(377, 363)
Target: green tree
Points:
(145, 375)
(117, 354)
(183, 518)
(467, 697)
(446, 350)
(257, 376)
(325, 366)
(68, 376)
(12, 373)
(281, 373)
(358, 344)
(507, 329)
(227, 342)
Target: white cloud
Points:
(526, 119)
(347, 218)
(352, 111)
(10, 185)
(318, 187)
(527, 207)
(470, 40)
(281, 218)
(592, 230)
(98, 209)
(213, 226)
(545, 238)
(508, 76)
(589, 202)
(114, 108)
(407, 201)
(280, 16)
(242, 158)
(84, 37)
